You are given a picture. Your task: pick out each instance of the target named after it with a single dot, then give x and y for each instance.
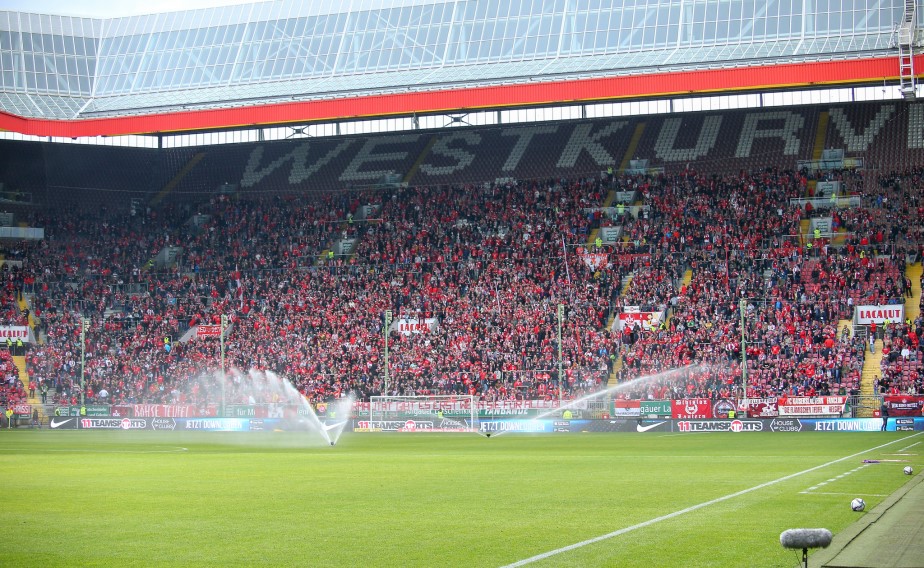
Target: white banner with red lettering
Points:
(811, 405)
(407, 326)
(14, 332)
(462, 404)
(879, 314)
(633, 317)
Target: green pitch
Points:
(216, 499)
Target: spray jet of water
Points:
(342, 408)
(260, 387)
(628, 385)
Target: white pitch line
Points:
(909, 447)
(833, 479)
(174, 450)
(669, 516)
(853, 494)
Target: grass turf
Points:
(218, 499)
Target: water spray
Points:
(608, 391)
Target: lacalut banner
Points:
(879, 314)
(14, 332)
(812, 405)
(407, 326)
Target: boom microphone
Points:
(805, 538)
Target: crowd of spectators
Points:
(481, 269)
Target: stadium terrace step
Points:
(805, 229)
(613, 379)
(627, 282)
(420, 160)
(35, 401)
(821, 134)
(23, 303)
(177, 178)
(592, 238)
(872, 369)
(841, 324)
(633, 146)
(913, 304)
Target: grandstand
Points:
(728, 169)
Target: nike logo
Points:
(641, 428)
(56, 423)
(330, 427)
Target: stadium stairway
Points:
(617, 366)
(805, 226)
(633, 145)
(35, 401)
(420, 159)
(626, 282)
(913, 304)
(23, 304)
(177, 178)
(591, 239)
(821, 134)
(684, 282)
(612, 381)
(607, 202)
(872, 368)
(687, 278)
(841, 324)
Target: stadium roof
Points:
(291, 61)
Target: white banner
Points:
(407, 326)
(626, 196)
(827, 188)
(594, 260)
(812, 406)
(411, 406)
(15, 332)
(895, 313)
(823, 224)
(610, 235)
(633, 317)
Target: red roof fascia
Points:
(544, 93)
